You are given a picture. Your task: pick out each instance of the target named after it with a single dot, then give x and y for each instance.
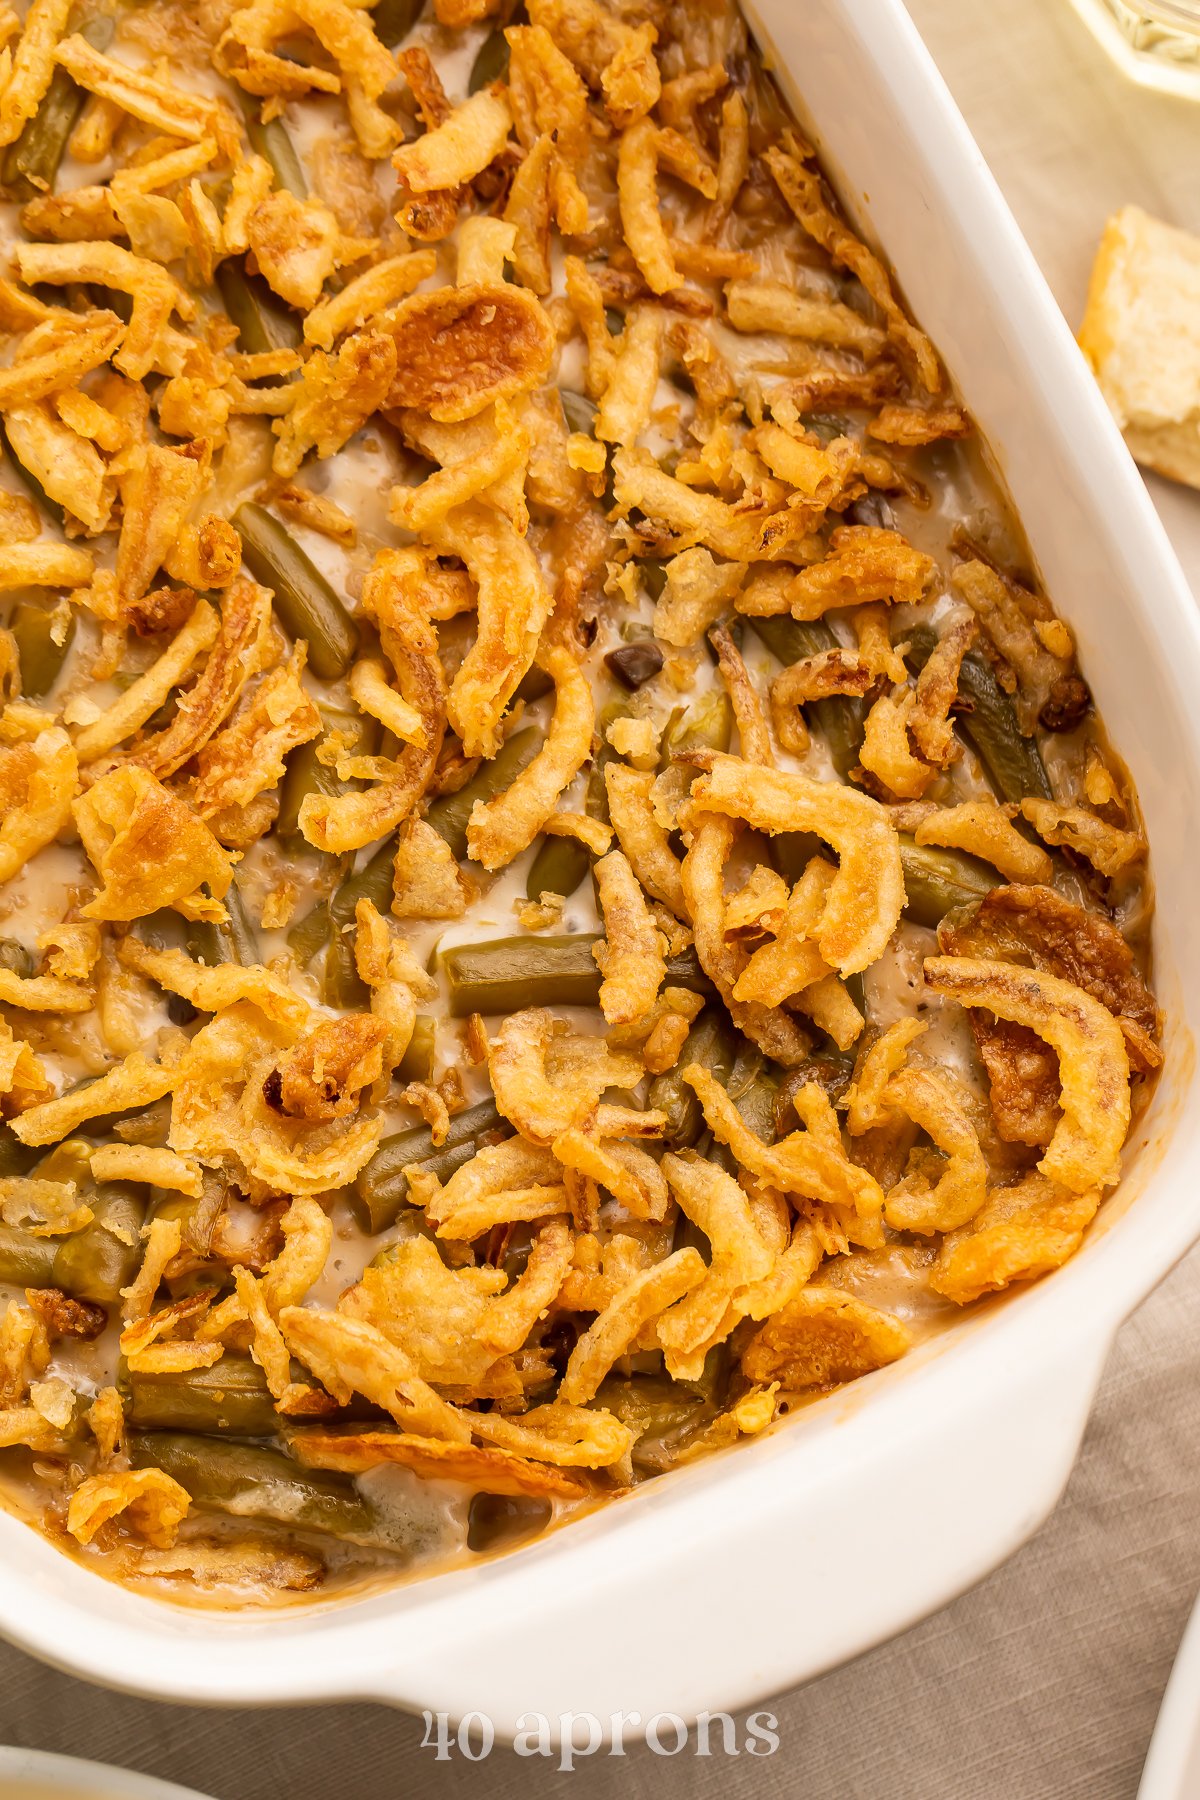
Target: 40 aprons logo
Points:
(572, 1736)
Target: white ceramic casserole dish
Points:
(765, 1565)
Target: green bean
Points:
(232, 1397)
(162, 930)
(938, 881)
(307, 606)
(1011, 761)
(502, 1521)
(16, 1158)
(578, 410)
(394, 19)
(232, 942)
(491, 61)
(31, 162)
(417, 1062)
(510, 973)
(706, 725)
(309, 934)
(535, 684)
(450, 812)
(252, 1481)
(306, 773)
(97, 1262)
(840, 720)
(382, 1187)
(263, 322)
(561, 862)
(713, 1043)
(43, 635)
(269, 138)
(25, 1260)
(341, 984)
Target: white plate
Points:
(34, 1775)
(1172, 1768)
(762, 1566)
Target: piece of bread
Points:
(1141, 334)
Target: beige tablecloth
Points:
(1044, 1682)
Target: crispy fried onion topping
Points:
(460, 349)
(393, 598)
(821, 1337)
(499, 829)
(38, 782)
(149, 850)
(631, 957)
(1084, 1152)
(811, 1163)
(867, 893)
(1023, 1232)
(546, 1079)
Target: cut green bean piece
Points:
(510, 973)
(25, 1260)
(263, 322)
(381, 1189)
(97, 1262)
(253, 1481)
(342, 985)
(234, 941)
(16, 958)
(31, 162)
(307, 606)
(938, 881)
(16, 1158)
(450, 812)
(1011, 761)
(579, 411)
(231, 1397)
(306, 773)
(561, 863)
(44, 634)
(713, 1043)
(270, 139)
(491, 61)
(394, 19)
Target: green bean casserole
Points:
(561, 890)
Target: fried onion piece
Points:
(142, 1162)
(867, 893)
(1022, 1233)
(134, 1082)
(810, 1162)
(514, 601)
(148, 849)
(984, 829)
(427, 882)
(34, 377)
(336, 394)
(623, 1320)
(625, 1170)
(212, 989)
(792, 963)
(703, 874)
(739, 1257)
(569, 1436)
(501, 1183)
(143, 698)
(394, 600)
(152, 1503)
(247, 758)
(523, 1079)
(499, 829)
(641, 837)
(823, 1337)
(38, 782)
(484, 1471)
(1084, 1152)
(460, 349)
(631, 956)
(153, 292)
(865, 563)
(805, 193)
(348, 1355)
(930, 1100)
(936, 692)
(242, 648)
(775, 306)
(458, 149)
(1106, 847)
